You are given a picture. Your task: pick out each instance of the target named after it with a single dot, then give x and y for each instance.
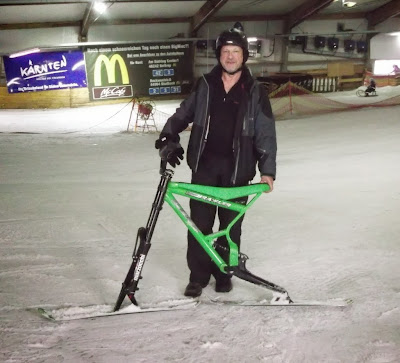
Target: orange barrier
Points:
(291, 100)
(381, 81)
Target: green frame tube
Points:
(220, 197)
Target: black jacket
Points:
(255, 136)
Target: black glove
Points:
(170, 150)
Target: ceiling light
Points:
(100, 7)
(348, 4)
(25, 52)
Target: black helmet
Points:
(233, 36)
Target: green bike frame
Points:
(218, 196)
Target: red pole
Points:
(130, 116)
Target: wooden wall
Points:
(74, 97)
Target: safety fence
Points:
(291, 100)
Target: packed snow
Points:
(75, 187)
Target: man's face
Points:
(231, 58)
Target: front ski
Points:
(97, 311)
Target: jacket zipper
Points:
(236, 162)
(206, 126)
(208, 129)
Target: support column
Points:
(285, 47)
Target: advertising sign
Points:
(139, 70)
(45, 71)
(387, 67)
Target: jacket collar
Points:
(216, 73)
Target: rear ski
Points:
(266, 303)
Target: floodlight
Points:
(349, 45)
(299, 39)
(201, 44)
(333, 43)
(319, 42)
(361, 46)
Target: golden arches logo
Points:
(110, 65)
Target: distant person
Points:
(371, 87)
(396, 69)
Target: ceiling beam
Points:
(338, 16)
(306, 10)
(52, 24)
(63, 2)
(216, 19)
(183, 19)
(383, 13)
(58, 24)
(259, 17)
(87, 19)
(204, 13)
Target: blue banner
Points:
(45, 71)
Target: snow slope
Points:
(70, 205)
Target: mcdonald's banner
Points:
(139, 70)
(45, 71)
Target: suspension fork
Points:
(143, 242)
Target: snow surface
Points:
(73, 196)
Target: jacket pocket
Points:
(248, 126)
(247, 160)
(195, 142)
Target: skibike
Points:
(363, 93)
(236, 262)
(219, 196)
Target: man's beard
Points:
(232, 72)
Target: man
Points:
(371, 87)
(396, 69)
(232, 129)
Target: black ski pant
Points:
(215, 172)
